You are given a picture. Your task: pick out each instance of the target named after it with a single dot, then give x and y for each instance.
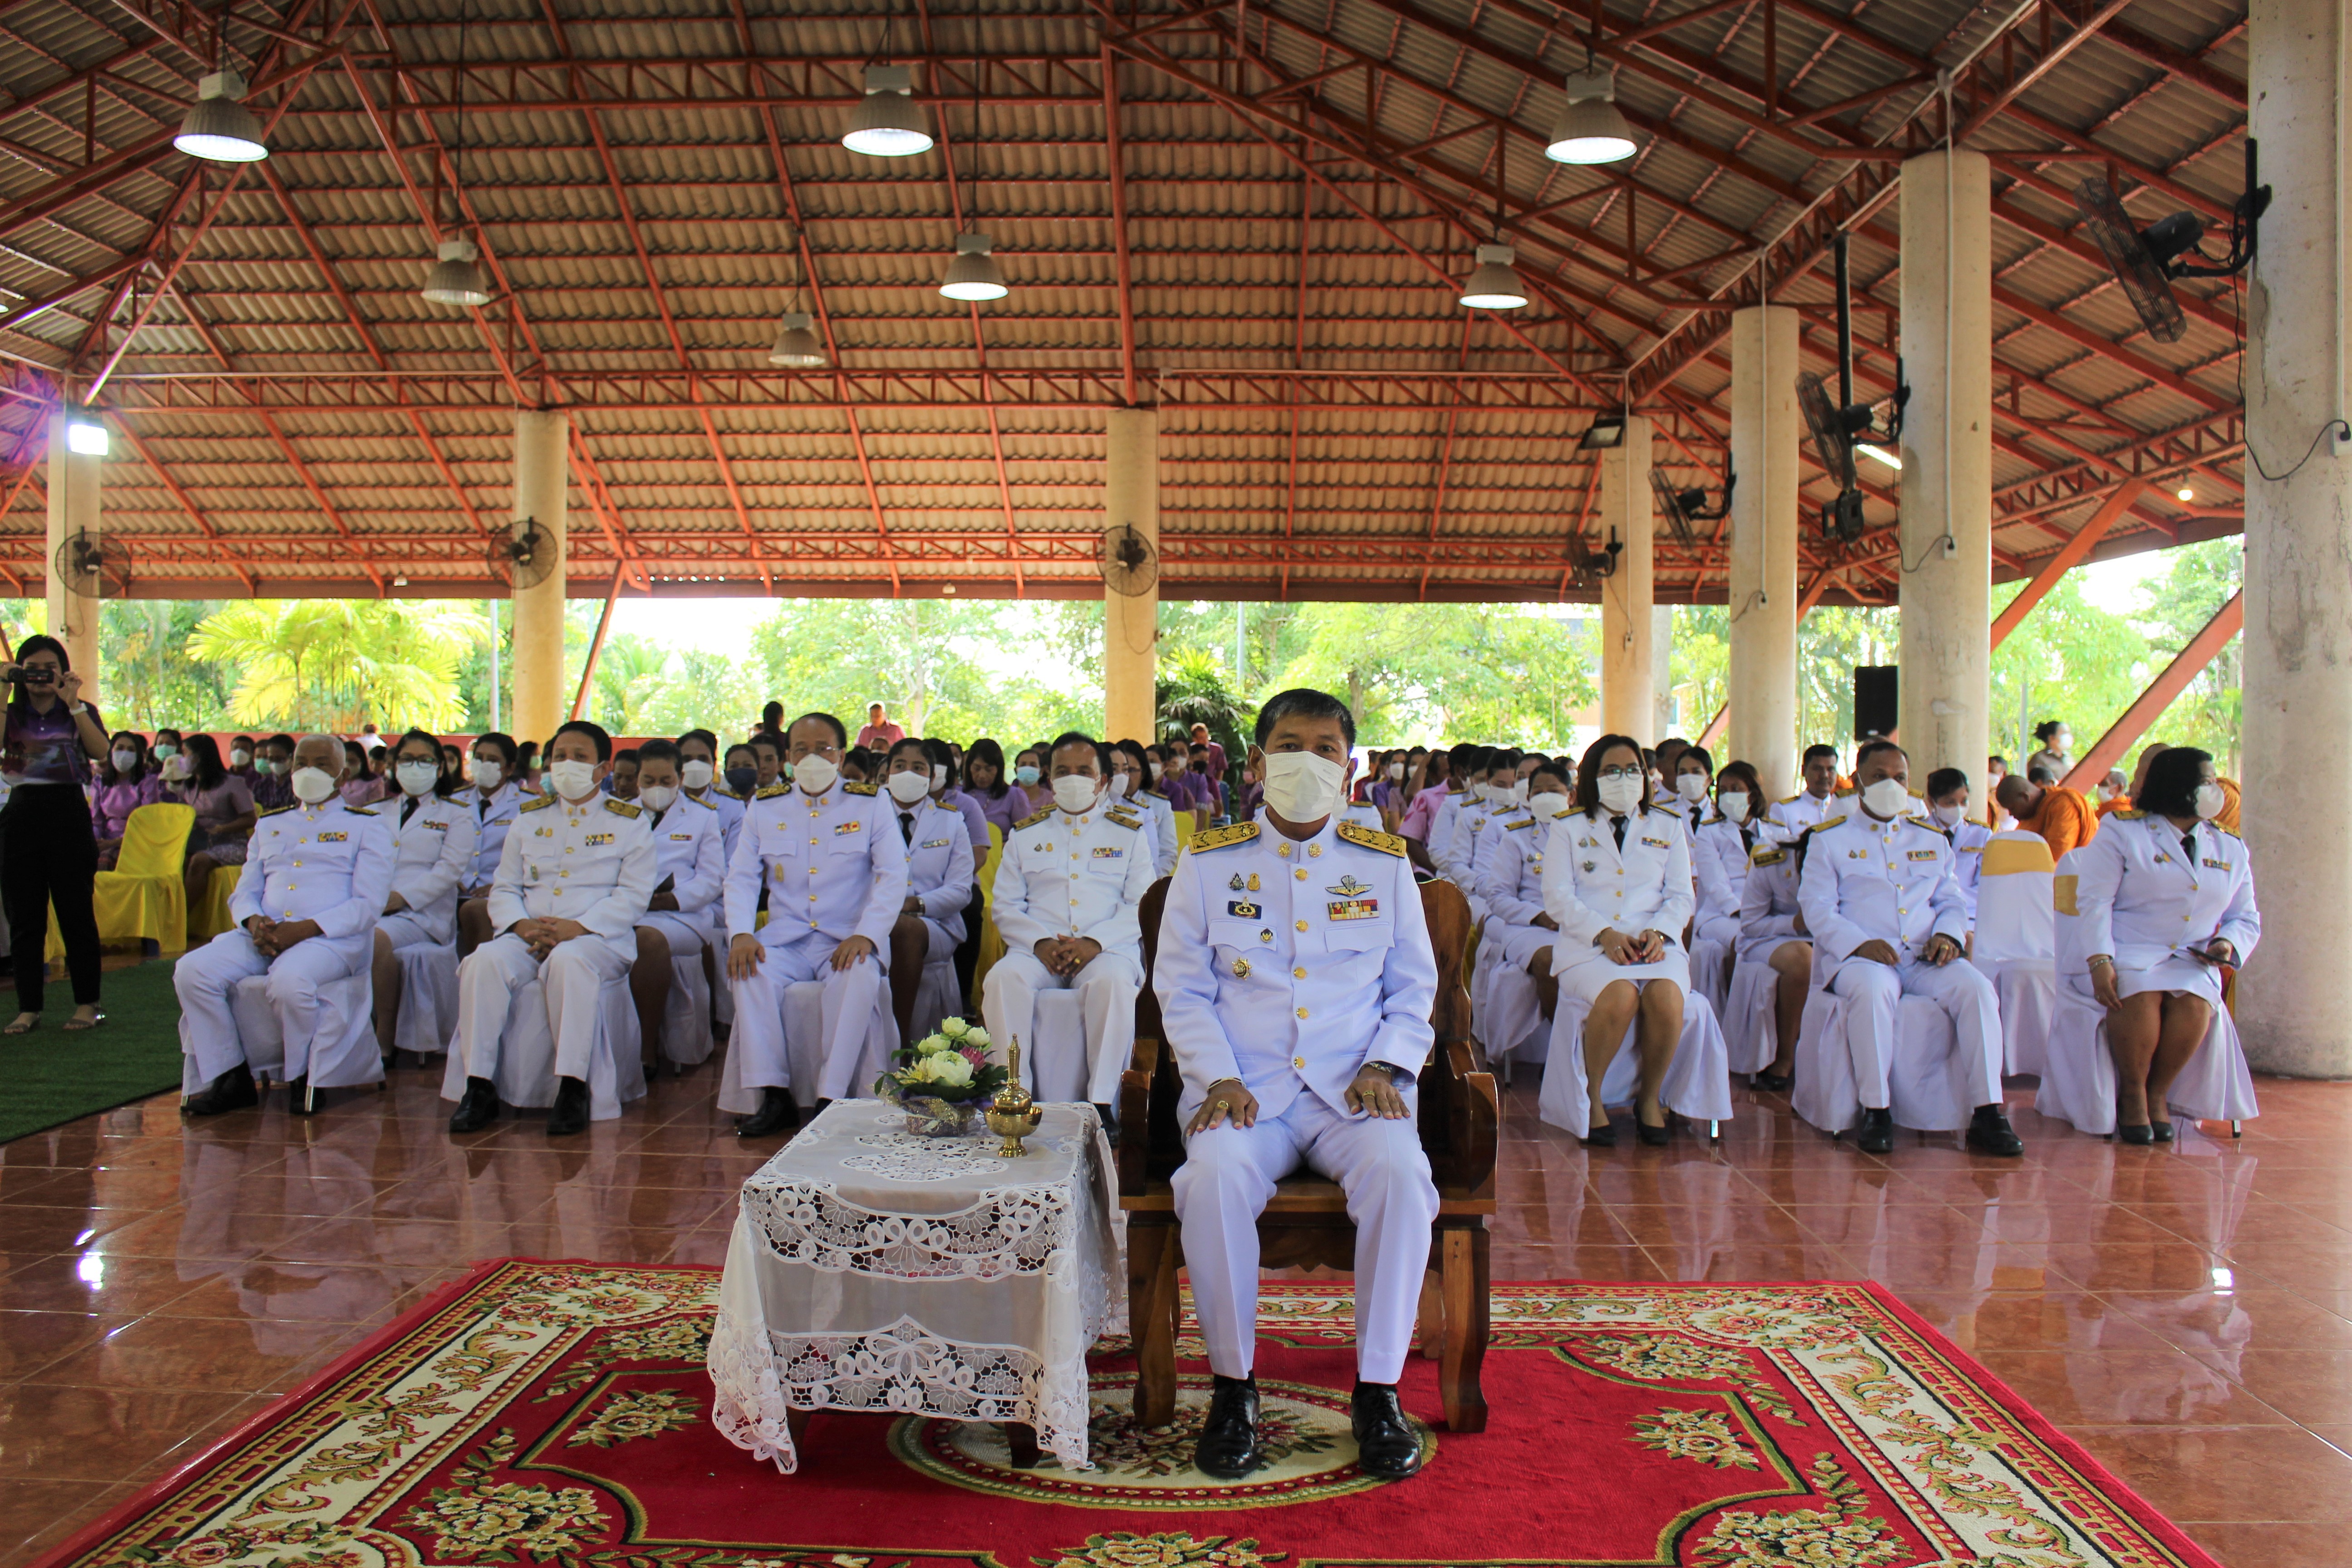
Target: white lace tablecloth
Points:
(872, 1269)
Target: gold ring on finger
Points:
(1221, 1105)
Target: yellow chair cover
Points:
(1185, 826)
(143, 898)
(992, 946)
(209, 922)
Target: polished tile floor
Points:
(2186, 1312)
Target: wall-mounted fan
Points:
(1596, 563)
(1839, 425)
(524, 555)
(91, 565)
(2147, 260)
(1682, 507)
(1129, 563)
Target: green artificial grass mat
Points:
(48, 1076)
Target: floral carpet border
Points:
(1952, 1361)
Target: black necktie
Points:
(481, 805)
(2188, 848)
(1617, 825)
(1747, 838)
(407, 810)
(906, 827)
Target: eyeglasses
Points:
(1621, 772)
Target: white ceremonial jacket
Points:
(433, 856)
(1160, 815)
(728, 806)
(2142, 899)
(1799, 811)
(1719, 866)
(1290, 964)
(938, 861)
(1768, 911)
(493, 814)
(833, 862)
(1512, 880)
(1589, 886)
(1074, 876)
(1887, 882)
(331, 863)
(592, 863)
(1968, 840)
(690, 855)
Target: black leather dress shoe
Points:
(233, 1091)
(2139, 1135)
(1772, 1083)
(298, 1096)
(1228, 1445)
(1874, 1133)
(478, 1108)
(1655, 1137)
(1387, 1448)
(1601, 1137)
(2162, 1130)
(1990, 1134)
(1110, 1123)
(569, 1114)
(777, 1113)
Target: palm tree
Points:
(1191, 689)
(334, 663)
(627, 672)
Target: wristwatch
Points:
(1387, 1068)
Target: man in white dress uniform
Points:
(316, 878)
(1295, 981)
(1879, 896)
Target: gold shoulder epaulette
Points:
(537, 803)
(1033, 821)
(722, 789)
(1826, 824)
(2127, 816)
(1767, 855)
(1157, 793)
(702, 801)
(1523, 822)
(1558, 815)
(860, 789)
(274, 810)
(623, 808)
(1132, 824)
(1841, 794)
(1227, 836)
(1373, 838)
(1790, 799)
(361, 810)
(771, 792)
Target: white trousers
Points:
(1873, 994)
(408, 929)
(1225, 1182)
(1106, 987)
(574, 975)
(850, 996)
(686, 934)
(204, 977)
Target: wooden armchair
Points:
(1307, 1221)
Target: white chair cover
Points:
(804, 1049)
(2016, 943)
(1928, 1092)
(343, 1054)
(1514, 1028)
(1752, 1028)
(1060, 1048)
(937, 995)
(1698, 1086)
(428, 999)
(1710, 972)
(526, 1074)
(686, 1037)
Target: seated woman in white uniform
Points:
(682, 918)
(1691, 783)
(1948, 809)
(930, 926)
(1519, 932)
(1130, 780)
(434, 838)
(1617, 879)
(2166, 900)
(495, 796)
(1720, 846)
(1772, 930)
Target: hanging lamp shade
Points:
(1591, 130)
(218, 128)
(973, 274)
(455, 279)
(796, 344)
(887, 122)
(1492, 285)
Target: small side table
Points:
(874, 1271)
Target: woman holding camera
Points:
(48, 853)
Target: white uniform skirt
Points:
(2174, 971)
(1588, 976)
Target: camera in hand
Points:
(37, 675)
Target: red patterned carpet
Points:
(559, 1413)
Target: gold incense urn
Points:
(1013, 1113)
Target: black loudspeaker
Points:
(1873, 699)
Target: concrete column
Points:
(541, 488)
(1628, 511)
(2298, 636)
(1947, 532)
(73, 481)
(1765, 430)
(1132, 622)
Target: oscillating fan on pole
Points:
(524, 555)
(1129, 563)
(92, 566)
(1681, 506)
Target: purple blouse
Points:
(224, 802)
(111, 807)
(46, 748)
(1004, 810)
(975, 820)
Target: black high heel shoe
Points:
(1601, 1137)
(1655, 1137)
(2163, 1130)
(2139, 1135)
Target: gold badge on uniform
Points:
(1253, 882)
(595, 838)
(1235, 885)
(334, 838)
(1242, 909)
(1348, 888)
(1241, 968)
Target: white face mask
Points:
(312, 785)
(658, 798)
(1300, 786)
(1396, 772)
(417, 778)
(176, 768)
(2062, 741)
(2109, 792)
(125, 761)
(1620, 795)
(908, 788)
(1119, 785)
(571, 778)
(1519, 791)
(1886, 797)
(1949, 816)
(939, 778)
(815, 773)
(1733, 803)
(2209, 800)
(1155, 772)
(1074, 793)
(695, 774)
(240, 759)
(1546, 806)
(1692, 787)
(487, 774)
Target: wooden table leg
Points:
(796, 1425)
(1021, 1444)
(1154, 1253)
(1464, 1271)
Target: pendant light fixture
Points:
(887, 122)
(797, 347)
(973, 274)
(218, 127)
(1492, 285)
(456, 275)
(1591, 129)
